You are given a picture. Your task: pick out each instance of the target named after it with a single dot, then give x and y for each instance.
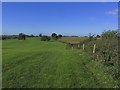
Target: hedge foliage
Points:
(106, 50)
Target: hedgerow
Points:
(106, 51)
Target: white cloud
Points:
(112, 12)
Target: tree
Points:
(40, 35)
(22, 36)
(32, 35)
(98, 36)
(54, 36)
(91, 36)
(59, 35)
(4, 37)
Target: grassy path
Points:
(33, 63)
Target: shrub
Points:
(59, 36)
(45, 38)
(21, 36)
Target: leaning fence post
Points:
(83, 46)
(94, 48)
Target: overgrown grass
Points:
(33, 63)
(74, 40)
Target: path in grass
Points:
(32, 63)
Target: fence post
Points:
(72, 47)
(94, 48)
(83, 46)
(78, 45)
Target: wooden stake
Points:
(83, 47)
(94, 48)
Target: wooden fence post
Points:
(72, 47)
(94, 48)
(83, 47)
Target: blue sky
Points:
(62, 18)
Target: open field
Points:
(33, 63)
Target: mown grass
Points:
(37, 64)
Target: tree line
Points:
(23, 36)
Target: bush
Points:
(59, 35)
(45, 38)
(40, 35)
(21, 36)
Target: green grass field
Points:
(37, 64)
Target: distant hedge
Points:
(4, 37)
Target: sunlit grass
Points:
(33, 63)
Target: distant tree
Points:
(27, 35)
(98, 36)
(91, 36)
(36, 36)
(4, 37)
(14, 36)
(22, 36)
(85, 36)
(54, 36)
(74, 36)
(31, 35)
(59, 35)
(45, 38)
(40, 35)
